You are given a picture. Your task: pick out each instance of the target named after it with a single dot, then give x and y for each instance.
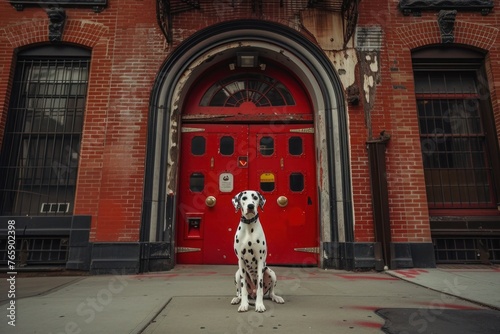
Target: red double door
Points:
(219, 161)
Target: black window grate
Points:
(457, 169)
(467, 250)
(41, 147)
(37, 251)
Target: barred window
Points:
(41, 145)
(453, 106)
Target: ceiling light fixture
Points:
(247, 59)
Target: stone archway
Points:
(310, 65)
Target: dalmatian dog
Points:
(253, 278)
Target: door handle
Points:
(282, 201)
(210, 201)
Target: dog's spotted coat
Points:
(253, 278)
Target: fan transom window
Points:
(259, 89)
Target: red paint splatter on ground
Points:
(365, 277)
(411, 273)
(173, 275)
(369, 324)
(208, 273)
(154, 276)
(364, 307)
(288, 278)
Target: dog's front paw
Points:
(235, 300)
(243, 307)
(277, 299)
(260, 308)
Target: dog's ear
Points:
(236, 202)
(262, 201)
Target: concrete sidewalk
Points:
(479, 284)
(196, 299)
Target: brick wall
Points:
(128, 49)
(395, 107)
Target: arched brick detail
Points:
(418, 34)
(82, 32)
(467, 33)
(25, 33)
(478, 35)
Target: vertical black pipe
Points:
(380, 195)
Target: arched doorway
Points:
(192, 60)
(244, 128)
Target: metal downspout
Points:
(380, 199)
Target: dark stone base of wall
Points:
(157, 256)
(412, 255)
(74, 229)
(368, 255)
(135, 257)
(82, 255)
(130, 258)
(115, 258)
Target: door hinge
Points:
(304, 130)
(308, 250)
(185, 129)
(186, 249)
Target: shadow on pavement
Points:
(418, 320)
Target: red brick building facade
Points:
(127, 126)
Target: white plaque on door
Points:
(226, 182)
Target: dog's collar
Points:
(251, 220)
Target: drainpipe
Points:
(380, 200)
